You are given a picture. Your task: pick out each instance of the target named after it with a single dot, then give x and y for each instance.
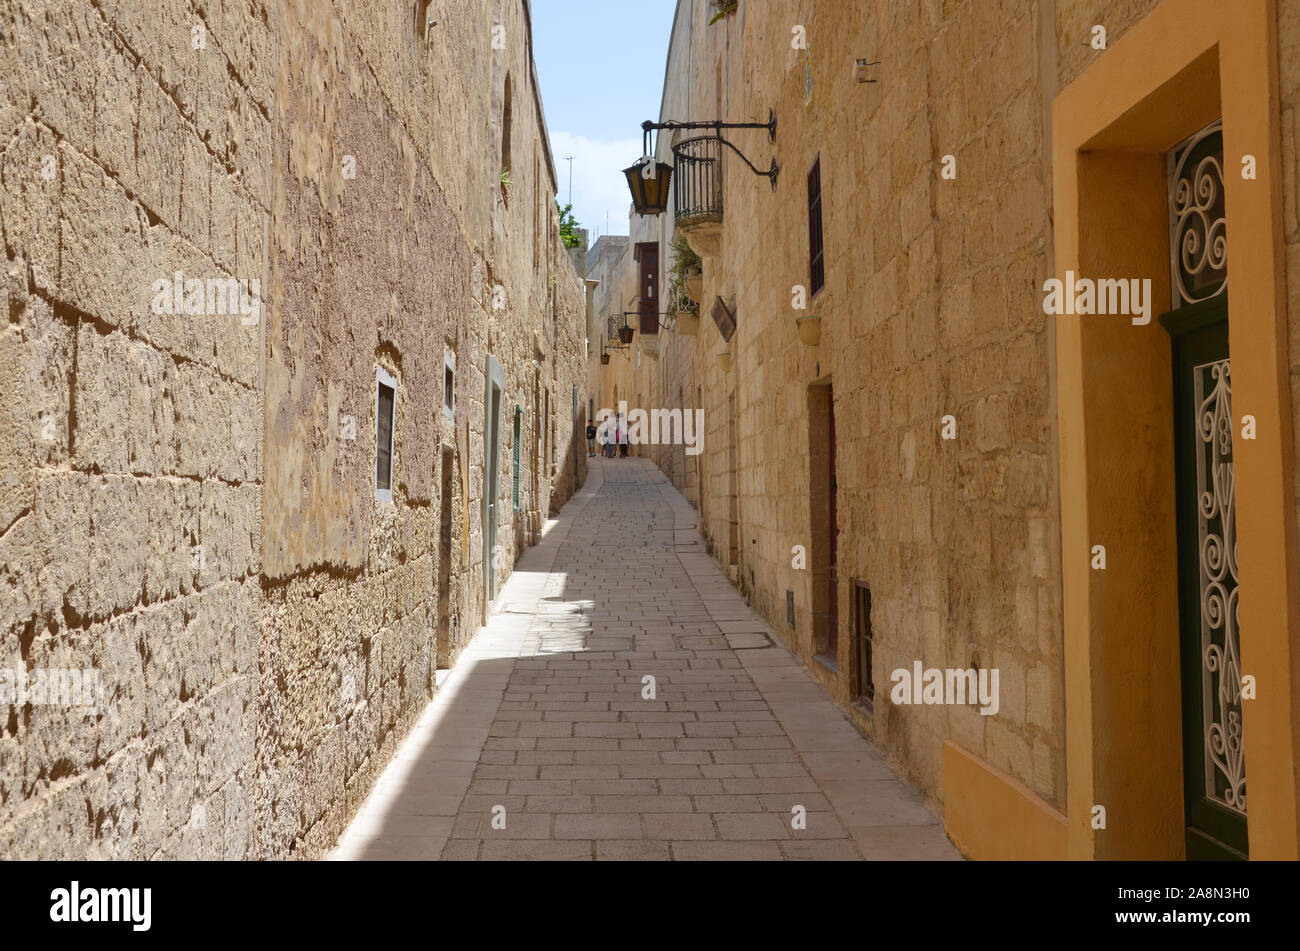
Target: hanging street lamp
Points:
(648, 181)
(620, 338)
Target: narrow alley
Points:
(549, 740)
(943, 360)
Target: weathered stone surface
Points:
(30, 201)
(190, 496)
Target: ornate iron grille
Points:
(1198, 229)
(1225, 759)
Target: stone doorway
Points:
(733, 486)
(824, 551)
(442, 654)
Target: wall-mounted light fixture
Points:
(648, 179)
(620, 337)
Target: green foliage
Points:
(685, 261)
(725, 8)
(568, 226)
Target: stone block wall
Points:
(133, 439)
(187, 500)
(931, 309)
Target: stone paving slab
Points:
(627, 705)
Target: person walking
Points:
(605, 436)
(591, 439)
(622, 437)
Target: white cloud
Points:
(598, 182)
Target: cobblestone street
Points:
(544, 743)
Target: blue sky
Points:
(601, 67)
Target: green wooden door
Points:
(1214, 765)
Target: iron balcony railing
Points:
(697, 182)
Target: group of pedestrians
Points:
(611, 432)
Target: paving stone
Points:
(727, 851)
(524, 850)
(831, 850)
(605, 826)
(634, 850)
(677, 826)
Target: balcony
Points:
(697, 192)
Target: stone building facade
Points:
(609, 277)
(265, 526)
(908, 461)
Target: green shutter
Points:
(519, 415)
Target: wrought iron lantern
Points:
(614, 335)
(648, 181)
(618, 337)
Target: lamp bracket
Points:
(716, 126)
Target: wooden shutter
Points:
(647, 256)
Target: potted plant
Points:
(687, 275)
(695, 284)
(686, 312)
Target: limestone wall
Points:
(929, 310)
(188, 500)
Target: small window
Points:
(449, 386)
(385, 400)
(817, 265)
(507, 161)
